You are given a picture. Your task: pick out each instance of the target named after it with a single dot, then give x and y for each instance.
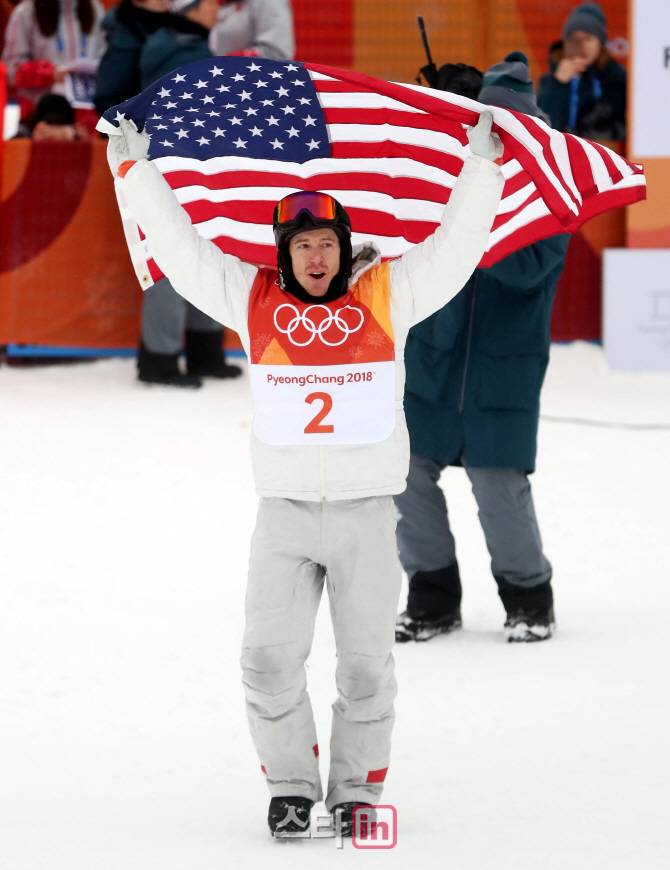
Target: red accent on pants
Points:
(263, 769)
(316, 750)
(377, 775)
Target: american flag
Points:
(234, 135)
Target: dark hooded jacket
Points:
(128, 27)
(171, 47)
(475, 368)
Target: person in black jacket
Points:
(585, 92)
(128, 26)
(472, 398)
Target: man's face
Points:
(315, 255)
(152, 5)
(582, 45)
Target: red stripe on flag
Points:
(398, 187)
(377, 775)
(387, 148)
(374, 222)
(396, 118)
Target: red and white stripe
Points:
(396, 151)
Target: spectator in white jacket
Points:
(324, 334)
(255, 28)
(46, 39)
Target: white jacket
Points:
(68, 47)
(422, 281)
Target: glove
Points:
(34, 74)
(127, 145)
(482, 141)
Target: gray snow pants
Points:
(295, 548)
(506, 514)
(165, 316)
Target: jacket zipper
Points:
(468, 346)
(322, 472)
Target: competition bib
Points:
(323, 373)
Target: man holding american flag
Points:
(324, 335)
(237, 154)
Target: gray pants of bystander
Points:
(506, 514)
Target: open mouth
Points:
(317, 275)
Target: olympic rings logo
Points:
(333, 318)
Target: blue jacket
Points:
(475, 368)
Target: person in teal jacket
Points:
(169, 322)
(182, 40)
(472, 398)
(127, 27)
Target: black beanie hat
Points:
(588, 17)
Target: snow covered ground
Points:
(124, 527)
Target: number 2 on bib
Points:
(316, 426)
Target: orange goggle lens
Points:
(319, 205)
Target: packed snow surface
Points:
(126, 517)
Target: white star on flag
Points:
(276, 144)
(240, 143)
(202, 141)
(216, 72)
(179, 78)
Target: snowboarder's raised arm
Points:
(430, 274)
(218, 284)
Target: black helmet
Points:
(311, 210)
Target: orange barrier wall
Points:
(65, 274)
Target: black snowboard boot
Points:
(204, 355)
(289, 816)
(530, 611)
(343, 817)
(433, 605)
(163, 368)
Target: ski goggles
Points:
(319, 205)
